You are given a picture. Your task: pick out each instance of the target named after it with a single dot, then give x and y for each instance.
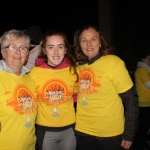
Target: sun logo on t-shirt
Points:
(23, 101)
(87, 82)
(55, 92)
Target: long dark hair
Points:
(70, 58)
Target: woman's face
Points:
(147, 60)
(55, 49)
(14, 57)
(90, 43)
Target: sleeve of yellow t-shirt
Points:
(120, 77)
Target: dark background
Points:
(67, 15)
(130, 20)
(132, 29)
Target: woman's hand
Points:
(126, 144)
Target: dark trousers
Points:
(144, 125)
(96, 143)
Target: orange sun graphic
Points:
(87, 82)
(55, 92)
(23, 100)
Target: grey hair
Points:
(13, 35)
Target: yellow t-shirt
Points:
(55, 89)
(142, 75)
(18, 110)
(99, 108)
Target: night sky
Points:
(130, 20)
(47, 14)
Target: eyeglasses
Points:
(14, 48)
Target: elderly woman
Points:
(107, 113)
(18, 101)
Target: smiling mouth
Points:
(55, 57)
(89, 49)
(17, 58)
